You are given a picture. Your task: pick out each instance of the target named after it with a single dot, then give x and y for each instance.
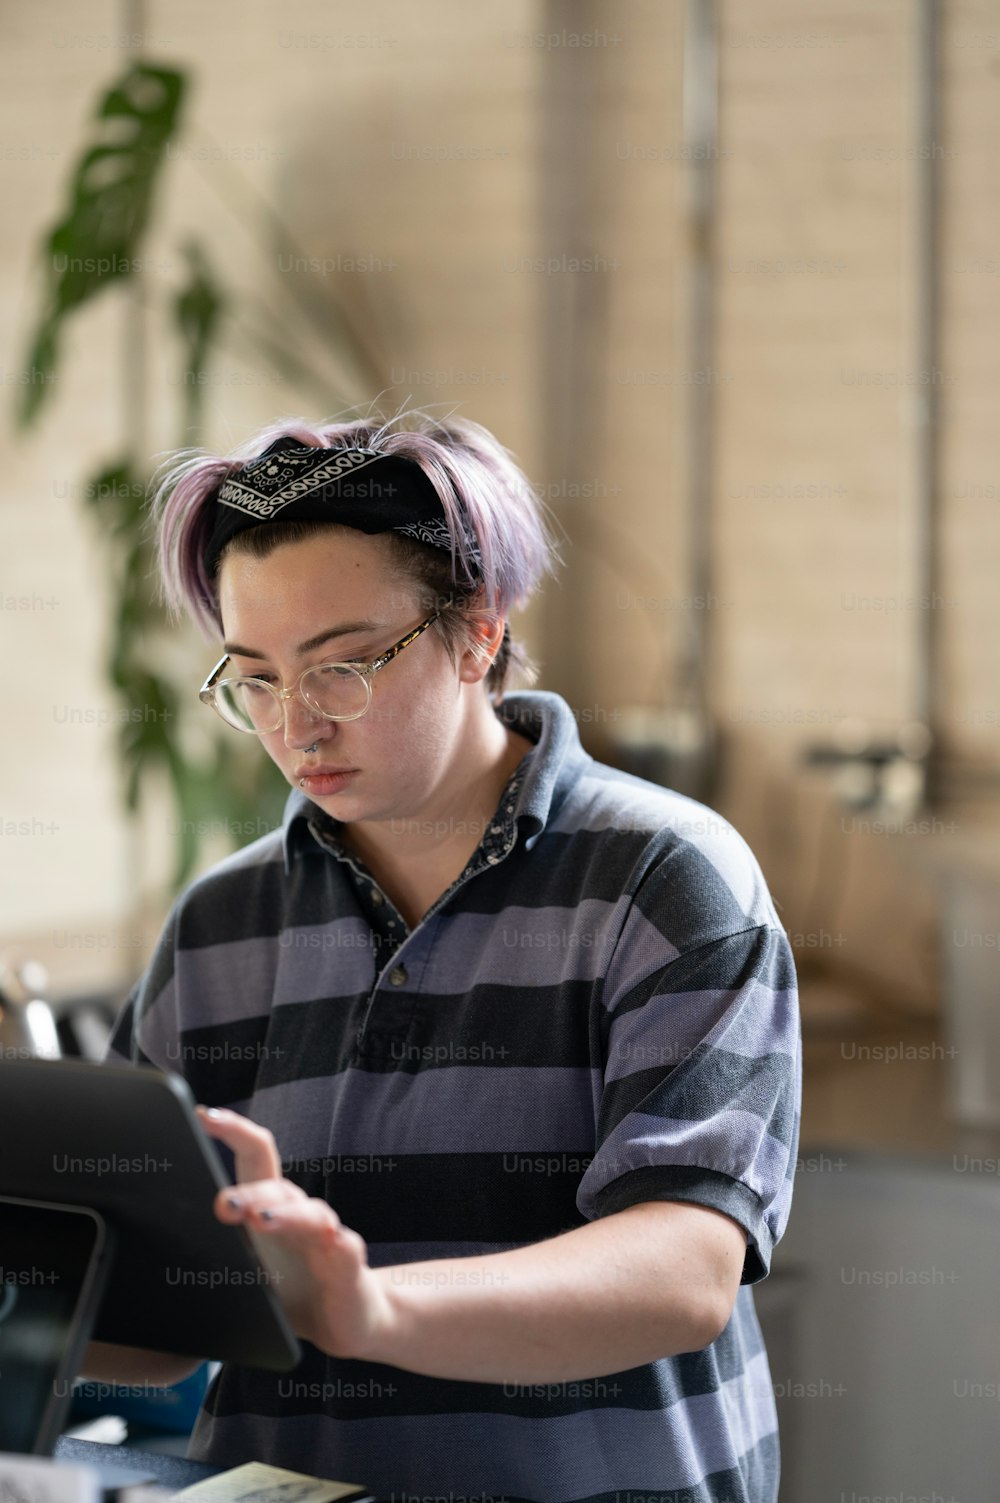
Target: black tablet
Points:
(53, 1266)
(126, 1143)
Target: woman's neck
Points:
(415, 860)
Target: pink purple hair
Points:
(472, 473)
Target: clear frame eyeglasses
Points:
(336, 691)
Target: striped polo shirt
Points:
(600, 1011)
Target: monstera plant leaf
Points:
(216, 784)
(197, 309)
(96, 243)
(116, 497)
(228, 788)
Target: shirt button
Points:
(377, 896)
(397, 975)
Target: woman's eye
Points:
(345, 663)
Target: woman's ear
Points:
(483, 644)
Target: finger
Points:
(254, 1147)
(310, 1226)
(256, 1201)
(303, 1215)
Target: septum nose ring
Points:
(302, 781)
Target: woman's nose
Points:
(301, 722)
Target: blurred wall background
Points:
(516, 191)
(754, 380)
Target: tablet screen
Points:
(49, 1261)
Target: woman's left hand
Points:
(331, 1296)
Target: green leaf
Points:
(148, 708)
(238, 793)
(97, 241)
(116, 495)
(197, 308)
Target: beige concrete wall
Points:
(808, 490)
(817, 605)
(810, 513)
(414, 136)
(970, 243)
(400, 136)
(614, 490)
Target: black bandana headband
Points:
(357, 488)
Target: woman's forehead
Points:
(310, 586)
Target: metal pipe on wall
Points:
(929, 688)
(136, 446)
(700, 117)
(573, 318)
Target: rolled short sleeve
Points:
(702, 1089)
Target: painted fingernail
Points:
(267, 1215)
(234, 1203)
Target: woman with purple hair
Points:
(504, 1042)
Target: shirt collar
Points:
(549, 774)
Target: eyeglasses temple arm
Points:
(205, 692)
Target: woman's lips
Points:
(322, 784)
